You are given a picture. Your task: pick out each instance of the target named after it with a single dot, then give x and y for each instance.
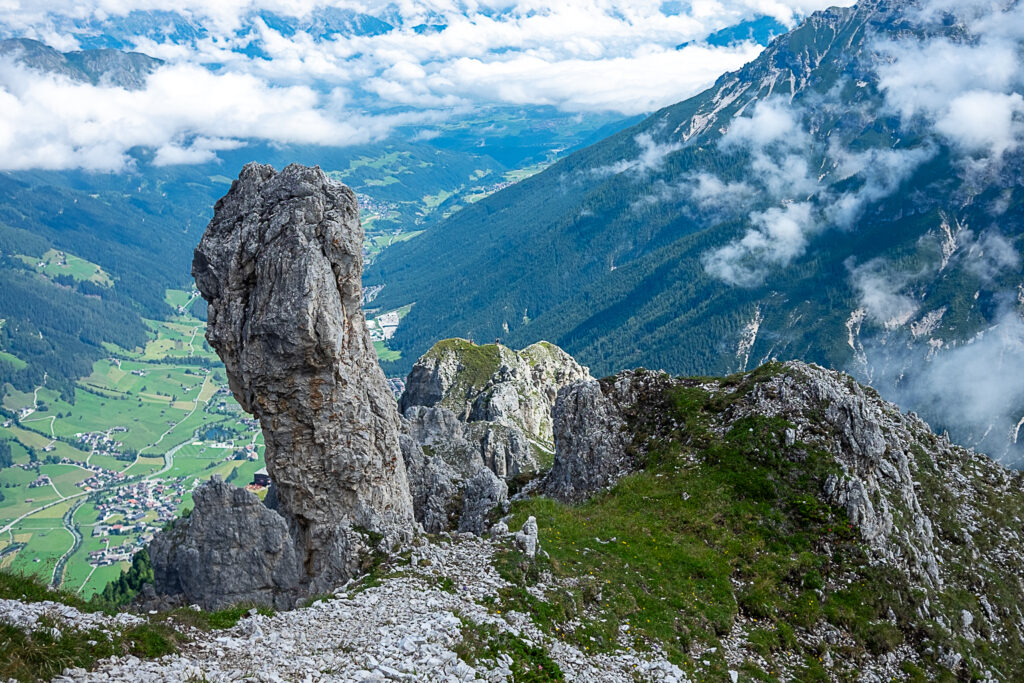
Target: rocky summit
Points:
(782, 524)
(476, 417)
(280, 266)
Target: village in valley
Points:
(92, 477)
(91, 481)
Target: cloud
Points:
(984, 121)
(651, 156)
(773, 122)
(880, 290)
(881, 172)
(818, 188)
(990, 255)
(966, 89)
(578, 55)
(709, 191)
(778, 145)
(776, 236)
(973, 390)
(185, 112)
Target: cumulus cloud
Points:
(579, 55)
(186, 113)
(709, 191)
(881, 171)
(773, 122)
(651, 156)
(990, 255)
(967, 89)
(984, 121)
(973, 390)
(881, 292)
(818, 187)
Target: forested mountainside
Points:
(851, 197)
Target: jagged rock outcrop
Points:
(230, 549)
(471, 408)
(501, 397)
(435, 486)
(483, 493)
(872, 441)
(591, 441)
(280, 266)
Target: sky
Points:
(238, 78)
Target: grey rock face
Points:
(230, 549)
(591, 440)
(473, 408)
(280, 265)
(483, 493)
(441, 433)
(527, 538)
(871, 441)
(502, 397)
(436, 488)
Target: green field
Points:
(56, 263)
(384, 353)
(136, 406)
(13, 360)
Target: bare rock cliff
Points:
(280, 265)
(475, 416)
(231, 549)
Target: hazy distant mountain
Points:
(761, 30)
(101, 66)
(851, 197)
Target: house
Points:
(261, 478)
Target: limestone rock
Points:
(440, 432)
(503, 396)
(435, 486)
(591, 442)
(871, 441)
(473, 408)
(528, 537)
(483, 493)
(230, 549)
(280, 265)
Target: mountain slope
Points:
(101, 66)
(781, 524)
(814, 204)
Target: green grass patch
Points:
(476, 364)
(384, 353)
(712, 529)
(41, 655)
(485, 642)
(12, 360)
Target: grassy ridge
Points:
(720, 535)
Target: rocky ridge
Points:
(128, 70)
(475, 416)
(937, 527)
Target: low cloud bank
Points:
(236, 72)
